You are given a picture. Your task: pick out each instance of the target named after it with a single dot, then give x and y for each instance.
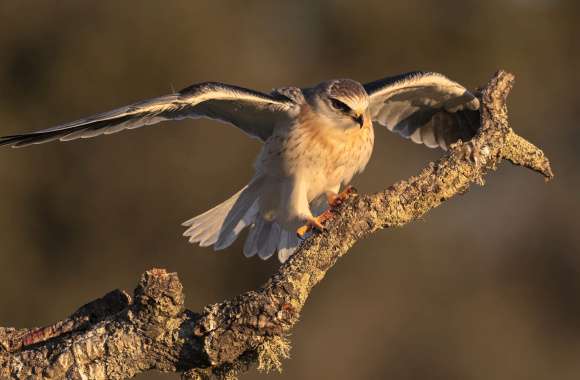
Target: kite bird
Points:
(314, 141)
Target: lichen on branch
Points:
(118, 336)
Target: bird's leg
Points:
(315, 222)
(334, 200)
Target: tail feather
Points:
(288, 244)
(251, 244)
(221, 225)
(270, 246)
(240, 215)
(207, 228)
(229, 234)
(266, 238)
(263, 242)
(204, 229)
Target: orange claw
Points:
(335, 200)
(314, 223)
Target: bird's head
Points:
(344, 101)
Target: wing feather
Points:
(425, 107)
(253, 112)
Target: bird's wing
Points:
(425, 107)
(253, 112)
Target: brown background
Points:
(486, 287)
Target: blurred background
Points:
(486, 287)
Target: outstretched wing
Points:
(253, 112)
(425, 107)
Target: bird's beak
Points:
(360, 119)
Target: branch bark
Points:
(119, 336)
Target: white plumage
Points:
(315, 141)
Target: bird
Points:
(315, 140)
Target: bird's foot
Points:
(317, 223)
(335, 200)
(314, 223)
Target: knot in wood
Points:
(159, 292)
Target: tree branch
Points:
(119, 336)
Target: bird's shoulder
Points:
(295, 94)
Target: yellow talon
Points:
(314, 223)
(302, 231)
(334, 200)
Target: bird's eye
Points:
(338, 105)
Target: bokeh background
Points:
(486, 287)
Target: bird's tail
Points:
(221, 225)
(265, 238)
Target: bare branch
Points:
(117, 337)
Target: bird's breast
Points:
(327, 155)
